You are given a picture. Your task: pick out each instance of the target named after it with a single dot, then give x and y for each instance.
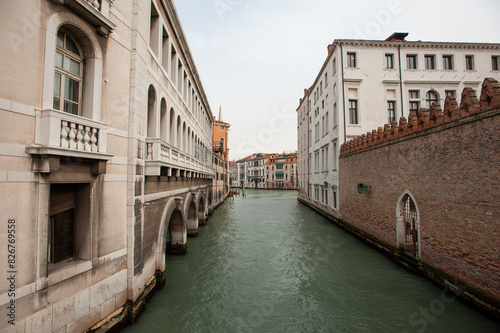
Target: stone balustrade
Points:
(63, 134)
(162, 154)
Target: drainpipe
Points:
(343, 89)
(401, 81)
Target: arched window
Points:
(68, 74)
(431, 98)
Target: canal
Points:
(266, 263)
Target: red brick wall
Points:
(451, 165)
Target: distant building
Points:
(220, 184)
(233, 174)
(365, 83)
(257, 171)
(281, 171)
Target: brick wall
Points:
(450, 163)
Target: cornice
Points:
(418, 44)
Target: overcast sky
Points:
(255, 57)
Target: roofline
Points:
(417, 43)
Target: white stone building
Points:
(242, 172)
(257, 171)
(105, 157)
(365, 83)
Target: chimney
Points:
(300, 101)
(330, 48)
(397, 36)
(305, 92)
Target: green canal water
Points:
(266, 263)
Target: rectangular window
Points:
(391, 109)
(389, 61)
(334, 157)
(335, 199)
(326, 123)
(411, 61)
(469, 62)
(68, 223)
(495, 62)
(451, 93)
(334, 66)
(430, 61)
(326, 159)
(414, 106)
(351, 59)
(414, 94)
(353, 111)
(447, 62)
(326, 79)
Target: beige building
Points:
(106, 158)
(365, 83)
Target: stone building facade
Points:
(364, 83)
(220, 184)
(281, 171)
(426, 191)
(106, 162)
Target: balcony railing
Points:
(60, 134)
(162, 154)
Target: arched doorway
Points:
(408, 225)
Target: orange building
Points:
(220, 184)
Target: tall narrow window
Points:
(469, 62)
(414, 100)
(411, 61)
(447, 62)
(495, 60)
(353, 111)
(430, 61)
(154, 31)
(351, 59)
(414, 106)
(68, 75)
(391, 108)
(389, 61)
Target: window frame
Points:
(469, 62)
(351, 60)
(430, 61)
(391, 111)
(353, 111)
(411, 65)
(495, 63)
(389, 61)
(429, 101)
(92, 71)
(65, 73)
(448, 62)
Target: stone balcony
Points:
(60, 134)
(94, 11)
(177, 163)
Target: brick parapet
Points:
(430, 120)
